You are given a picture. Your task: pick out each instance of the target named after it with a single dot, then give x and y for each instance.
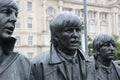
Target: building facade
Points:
(32, 27)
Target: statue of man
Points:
(104, 52)
(65, 60)
(13, 66)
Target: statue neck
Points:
(67, 51)
(105, 62)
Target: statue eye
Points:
(78, 30)
(68, 30)
(6, 11)
(105, 45)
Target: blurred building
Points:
(32, 28)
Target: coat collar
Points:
(8, 61)
(54, 58)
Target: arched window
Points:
(103, 27)
(92, 27)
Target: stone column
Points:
(110, 23)
(98, 22)
(44, 16)
(117, 27)
(114, 24)
(61, 5)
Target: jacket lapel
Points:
(117, 68)
(62, 70)
(8, 61)
(55, 60)
(83, 69)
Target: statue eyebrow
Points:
(13, 7)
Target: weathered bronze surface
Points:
(13, 66)
(65, 60)
(104, 52)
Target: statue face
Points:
(107, 51)
(8, 17)
(69, 38)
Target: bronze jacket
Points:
(115, 66)
(48, 66)
(15, 66)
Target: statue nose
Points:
(13, 18)
(75, 33)
(112, 47)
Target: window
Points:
(103, 29)
(30, 54)
(82, 12)
(90, 1)
(91, 14)
(92, 28)
(50, 10)
(77, 12)
(102, 2)
(29, 22)
(67, 9)
(103, 16)
(29, 6)
(49, 21)
(30, 40)
(17, 25)
(18, 41)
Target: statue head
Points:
(104, 47)
(8, 17)
(65, 31)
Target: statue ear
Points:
(96, 52)
(56, 38)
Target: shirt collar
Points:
(105, 68)
(68, 58)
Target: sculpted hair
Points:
(100, 40)
(4, 3)
(62, 20)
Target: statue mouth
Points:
(111, 53)
(9, 30)
(74, 42)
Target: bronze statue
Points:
(13, 66)
(104, 52)
(65, 60)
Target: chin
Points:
(73, 48)
(111, 58)
(6, 36)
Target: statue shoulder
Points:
(42, 57)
